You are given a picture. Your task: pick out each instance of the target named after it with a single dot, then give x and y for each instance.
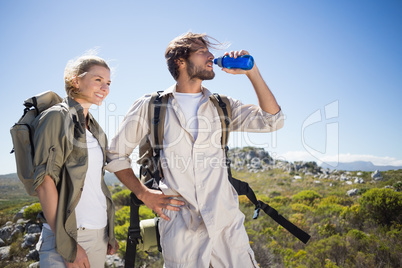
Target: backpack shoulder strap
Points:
(156, 118)
(222, 104)
(42, 101)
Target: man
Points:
(201, 224)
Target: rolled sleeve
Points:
(118, 164)
(51, 145)
(274, 121)
(251, 118)
(133, 128)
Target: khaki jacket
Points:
(193, 169)
(196, 171)
(61, 153)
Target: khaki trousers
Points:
(94, 242)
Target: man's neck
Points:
(188, 86)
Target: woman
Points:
(69, 158)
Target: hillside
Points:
(354, 217)
(12, 195)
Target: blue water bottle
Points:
(245, 62)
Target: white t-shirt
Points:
(91, 209)
(189, 103)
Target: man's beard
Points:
(196, 72)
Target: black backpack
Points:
(145, 234)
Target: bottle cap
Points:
(218, 61)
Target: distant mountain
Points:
(12, 178)
(357, 166)
(9, 178)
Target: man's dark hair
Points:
(181, 48)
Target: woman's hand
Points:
(111, 250)
(81, 260)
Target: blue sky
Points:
(335, 67)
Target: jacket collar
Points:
(172, 90)
(77, 112)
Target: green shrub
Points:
(357, 240)
(116, 189)
(329, 209)
(122, 198)
(121, 231)
(302, 208)
(329, 251)
(122, 248)
(15, 248)
(308, 197)
(245, 201)
(398, 186)
(340, 200)
(384, 206)
(31, 212)
(274, 194)
(145, 213)
(278, 200)
(122, 216)
(362, 191)
(326, 229)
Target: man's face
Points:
(200, 63)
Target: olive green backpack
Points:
(22, 134)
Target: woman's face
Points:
(93, 87)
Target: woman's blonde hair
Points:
(78, 68)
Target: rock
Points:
(114, 261)
(22, 221)
(261, 153)
(255, 163)
(5, 232)
(5, 252)
(359, 173)
(34, 265)
(20, 214)
(297, 177)
(349, 182)
(376, 175)
(352, 192)
(16, 232)
(250, 155)
(33, 255)
(2, 243)
(30, 240)
(33, 229)
(359, 180)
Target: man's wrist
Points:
(142, 192)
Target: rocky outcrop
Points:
(30, 233)
(376, 175)
(256, 160)
(352, 192)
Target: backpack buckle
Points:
(257, 211)
(134, 235)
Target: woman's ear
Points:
(76, 82)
